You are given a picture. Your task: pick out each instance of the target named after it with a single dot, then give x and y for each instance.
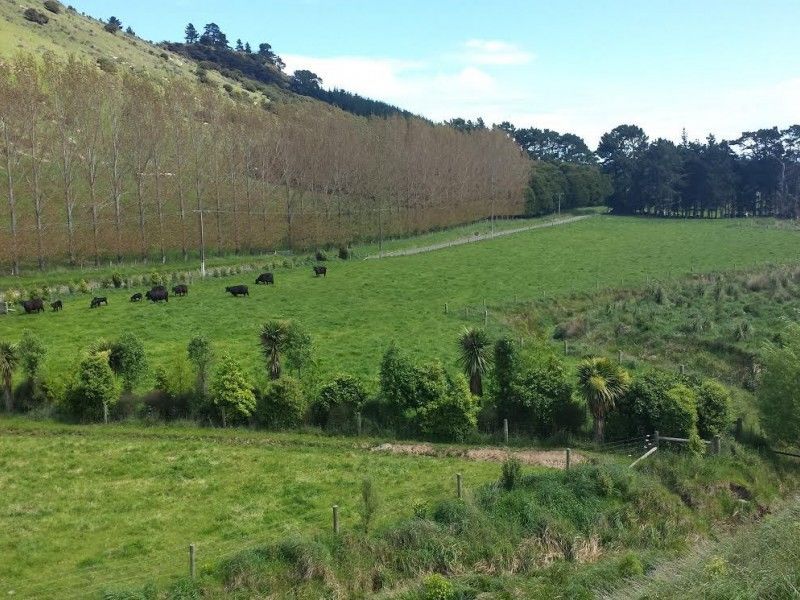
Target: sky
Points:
(582, 66)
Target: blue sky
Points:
(711, 66)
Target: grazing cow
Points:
(137, 297)
(158, 288)
(33, 306)
(97, 301)
(238, 290)
(180, 290)
(155, 295)
(57, 305)
(320, 271)
(266, 279)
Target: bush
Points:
(173, 393)
(337, 403)
(779, 393)
(436, 587)
(713, 409)
(344, 253)
(510, 473)
(452, 416)
(321, 255)
(156, 279)
(370, 502)
(282, 404)
(231, 392)
(679, 412)
(95, 390)
(83, 286)
(127, 359)
(106, 64)
(117, 279)
(53, 6)
(574, 328)
(35, 16)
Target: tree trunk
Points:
(475, 384)
(222, 412)
(599, 429)
(9, 395)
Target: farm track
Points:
(476, 238)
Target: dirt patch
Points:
(555, 459)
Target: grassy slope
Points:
(362, 305)
(119, 505)
(759, 562)
(71, 33)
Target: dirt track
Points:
(555, 459)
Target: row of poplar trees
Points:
(104, 166)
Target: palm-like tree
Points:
(601, 382)
(275, 337)
(474, 357)
(8, 364)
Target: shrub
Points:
(321, 255)
(338, 401)
(344, 253)
(679, 411)
(106, 64)
(369, 503)
(436, 587)
(95, 390)
(156, 279)
(53, 6)
(282, 404)
(452, 416)
(713, 409)
(231, 392)
(35, 16)
(117, 279)
(510, 473)
(779, 393)
(200, 354)
(173, 390)
(573, 328)
(127, 359)
(83, 286)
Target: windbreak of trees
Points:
(757, 174)
(98, 166)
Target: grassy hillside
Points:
(71, 32)
(361, 306)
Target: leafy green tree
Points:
(190, 34)
(282, 404)
(9, 360)
(338, 401)
(713, 408)
(679, 412)
(601, 382)
(452, 414)
(779, 392)
(31, 353)
(113, 25)
(505, 355)
(231, 392)
(213, 36)
(473, 354)
(95, 389)
(619, 150)
(305, 82)
(200, 354)
(128, 360)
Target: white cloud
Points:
(495, 52)
(475, 81)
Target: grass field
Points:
(87, 508)
(361, 306)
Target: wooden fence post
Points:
(191, 561)
(568, 459)
(505, 431)
(458, 486)
(566, 348)
(335, 519)
(358, 423)
(619, 357)
(485, 317)
(656, 439)
(716, 445)
(739, 429)
(445, 308)
(683, 369)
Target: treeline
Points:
(213, 50)
(100, 166)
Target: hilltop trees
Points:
(113, 25)
(190, 34)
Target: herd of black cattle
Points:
(159, 293)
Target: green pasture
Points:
(84, 509)
(355, 312)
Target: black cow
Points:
(320, 271)
(137, 297)
(158, 288)
(97, 301)
(181, 289)
(155, 295)
(33, 306)
(57, 305)
(266, 279)
(238, 290)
